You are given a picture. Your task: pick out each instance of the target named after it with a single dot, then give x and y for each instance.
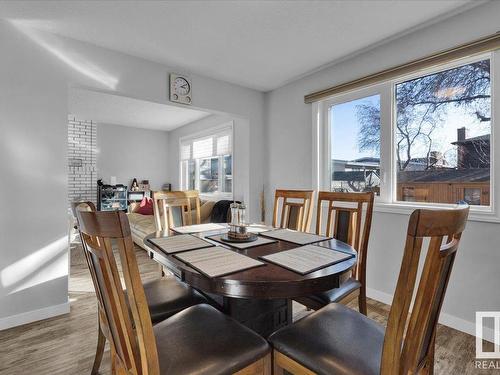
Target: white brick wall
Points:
(82, 160)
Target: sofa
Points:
(142, 225)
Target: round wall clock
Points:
(180, 89)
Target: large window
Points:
(442, 135)
(206, 163)
(425, 138)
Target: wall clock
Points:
(180, 89)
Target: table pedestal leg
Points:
(261, 316)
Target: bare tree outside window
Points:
(355, 141)
(442, 135)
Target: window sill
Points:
(476, 213)
(216, 197)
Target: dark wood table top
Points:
(268, 281)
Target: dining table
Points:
(261, 297)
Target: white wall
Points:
(36, 71)
(475, 279)
(33, 224)
(241, 153)
(126, 152)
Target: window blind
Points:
(223, 145)
(186, 152)
(217, 144)
(203, 148)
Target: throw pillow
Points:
(146, 207)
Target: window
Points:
(206, 163)
(423, 139)
(442, 133)
(355, 145)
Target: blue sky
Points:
(345, 129)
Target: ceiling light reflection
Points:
(55, 45)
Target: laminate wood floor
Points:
(66, 344)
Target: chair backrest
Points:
(88, 206)
(349, 220)
(296, 209)
(166, 202)
(130, 330)
(81, 206)
(407, 353)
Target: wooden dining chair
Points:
(167, 203)
(165, 297)
(199, 339)
(349, 219)
(295, 207)
(336, 339)
(101, 323)
(81, 206)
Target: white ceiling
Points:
(257, 44)
(120, 110)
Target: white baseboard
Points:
(445, 319)
(33, 316)
(379, 296)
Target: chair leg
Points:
(362, 301)
(277, 370)
(116, 365)
(428, 369)
(113, 361)
(268, 364)
(282, 363)
(101, 342)
(162, 272)
(431, 363)
(120, 370)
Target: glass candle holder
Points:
(235, 213)
(242, 213)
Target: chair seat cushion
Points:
(333, 340)
(203, 341)
(168, 296)
(337, 294)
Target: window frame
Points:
(184, 177)
(326, 131)
(387, 200)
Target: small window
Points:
(355, 145)
(206, 164)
